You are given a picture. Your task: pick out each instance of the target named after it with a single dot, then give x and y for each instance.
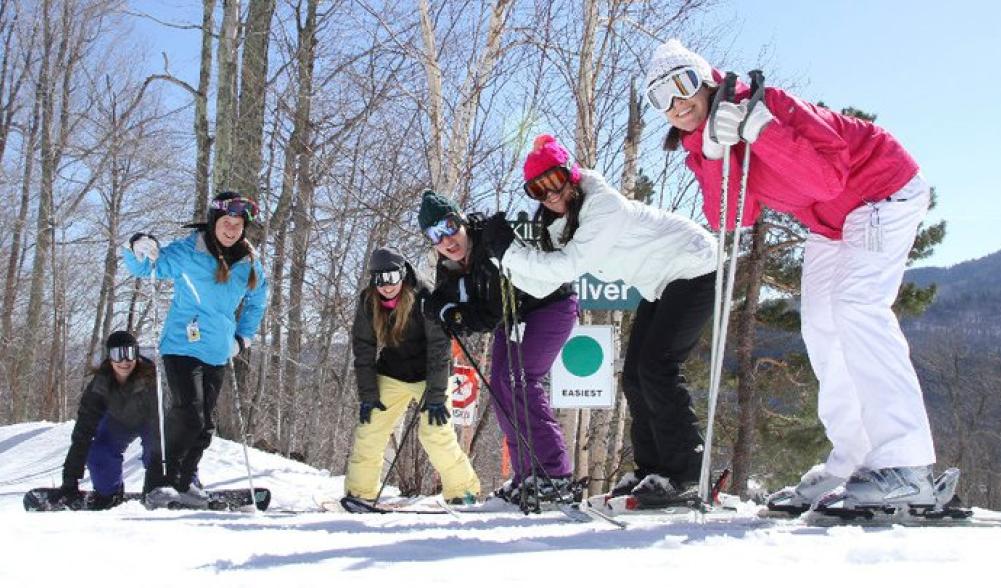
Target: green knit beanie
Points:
(434, 208)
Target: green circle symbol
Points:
(582, 356)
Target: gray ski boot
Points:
(815, 484)
(885, 489)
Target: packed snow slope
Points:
(130, 546)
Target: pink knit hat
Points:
(546, 154)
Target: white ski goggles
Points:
(125, 353)
(387, 278)
(678, 83)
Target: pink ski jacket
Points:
(809, 162)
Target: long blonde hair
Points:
(389, 324)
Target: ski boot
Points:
(795, 500)
(655, 491)
(898, 492)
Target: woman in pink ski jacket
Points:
(862, 198)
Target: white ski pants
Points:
(870, 400)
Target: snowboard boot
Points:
(98, 501)
(887, 489)
(625, 485)
(802, 497)
(193, 496)
(655, 491)
(160, 497)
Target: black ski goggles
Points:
(241, 206)
(387, 278)
(125, 353)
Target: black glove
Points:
(446, 312)
(437, 413)
(68, 494)
(365, 412)
(497, 235)
(451, 317)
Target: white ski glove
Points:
(755, 121)
(144, 247)
(726, 121)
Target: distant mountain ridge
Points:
(967, 305)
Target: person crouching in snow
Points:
(589, 227)
(400, 357)
(118, 405)
(468, 297)
(862, 197)
(215, 270)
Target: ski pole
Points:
(243, 430)
(500, 407)
(406, 433)
(724, 94)
(517, 355)
(157, 366)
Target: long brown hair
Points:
(546, 217)
(389, 324)
(240, 249)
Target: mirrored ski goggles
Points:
(551, 180)
(390, 278)
(679, 83)
(237, 207)
(119, 354)
(446, 227)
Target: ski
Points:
(227, 499)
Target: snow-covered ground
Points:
(130, 546)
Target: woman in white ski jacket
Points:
(589, 227)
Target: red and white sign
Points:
(465, 392)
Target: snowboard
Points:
(38, 499)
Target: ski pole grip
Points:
(723, 94)
(757, 94)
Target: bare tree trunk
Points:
(225, 106)
(747, 401)
(436, 142)
(253, 83)
(201, 122)
(14, 261)
(449, 158)
(302, 215)
(631, 145)
(587, 148)
(43, 239)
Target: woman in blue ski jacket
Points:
(215, 269)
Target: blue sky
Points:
(928, 69)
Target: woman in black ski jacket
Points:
(118, 405)
(401, 357)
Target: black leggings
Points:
(189, 424)
(665, 431)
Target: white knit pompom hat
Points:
(673, 55)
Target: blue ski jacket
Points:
(202, 305)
